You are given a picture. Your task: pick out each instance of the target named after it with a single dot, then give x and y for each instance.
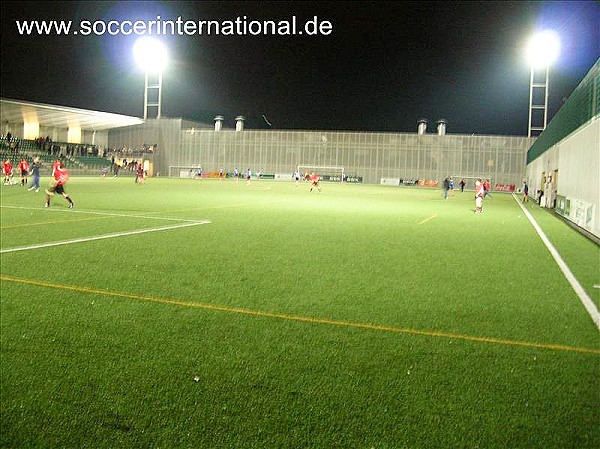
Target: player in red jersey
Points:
(486, 188)
(314, 179)
(24, 169)
(61, 176)
(54, 165)
(7, 169)
(139, 174)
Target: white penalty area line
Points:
(106, 214)
(583, 296)
(102, 237)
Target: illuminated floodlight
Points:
(150, 54)
(543, 49)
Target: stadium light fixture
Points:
(542, 51)
(151, 55)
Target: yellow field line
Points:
(428, 219)
(305, 319)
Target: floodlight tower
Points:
(542, 51)
(151, 56)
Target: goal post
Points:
(326, 173)
(183, 171)
(469, 181)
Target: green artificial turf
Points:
(358, 317)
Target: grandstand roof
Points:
(17, 111)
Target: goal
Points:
(469, 181)
(326, 173)
(183, 171)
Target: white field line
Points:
(101, 237)
(107, 214)
(583, 296)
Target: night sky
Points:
(383, 66)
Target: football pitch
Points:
(215, 314)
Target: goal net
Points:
(183, 171)
(469, 181)
(326, 173)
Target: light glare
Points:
(150, 54)
(543, 49)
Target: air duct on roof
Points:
(441, 126)
(239, 123)
(218, 122)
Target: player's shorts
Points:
(60, 189)
(478, 201)
(24, 172)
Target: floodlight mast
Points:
(151, 56)
(542, 51)
(537, 86)
(157, 86)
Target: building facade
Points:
(369, 156)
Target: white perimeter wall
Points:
(577, 159)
